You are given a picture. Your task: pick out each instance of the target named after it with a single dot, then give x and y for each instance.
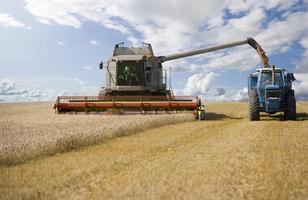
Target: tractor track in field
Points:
(226, 157)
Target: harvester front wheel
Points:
(290, 112)
(254, 106)
(201, 115)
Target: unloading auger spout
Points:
(253, 43)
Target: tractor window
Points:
(129, 73)
(267, 78)
(278, 77)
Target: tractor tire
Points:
(290, 112)
(254, 106)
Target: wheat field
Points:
(32, 130)
(224, 157)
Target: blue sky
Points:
(53, 47)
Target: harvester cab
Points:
(134, 71)
(270, 91)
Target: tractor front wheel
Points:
(254, 107)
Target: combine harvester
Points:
(136, 82)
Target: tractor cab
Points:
(270, 91)
(266, 77)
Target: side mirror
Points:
(101, 65)
(290, 77)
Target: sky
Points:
(53, 47)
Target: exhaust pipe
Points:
(273, 75)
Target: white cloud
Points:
(60, 12)
(197, 84)
(60, 43)
(302, 66)
(173, 25)
(242, 58)
(276, 38)
(284, 32)
(7, 21)
(236, 28)
(44, 21)
(10, 92)
(241, 95)
(304, 41)
(150, 18)
(301, 85)
(237, 6)
(94, 42)
(238, 95)
(169, 30)
(8, 87)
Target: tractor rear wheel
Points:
(254, 107)
(290, 112)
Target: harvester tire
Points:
(196, 115)
(201, 115)
(290, 112)
(254, 107)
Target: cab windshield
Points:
(266, 78)
(129, 73)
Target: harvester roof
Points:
(128, 57)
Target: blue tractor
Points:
(270, 91)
